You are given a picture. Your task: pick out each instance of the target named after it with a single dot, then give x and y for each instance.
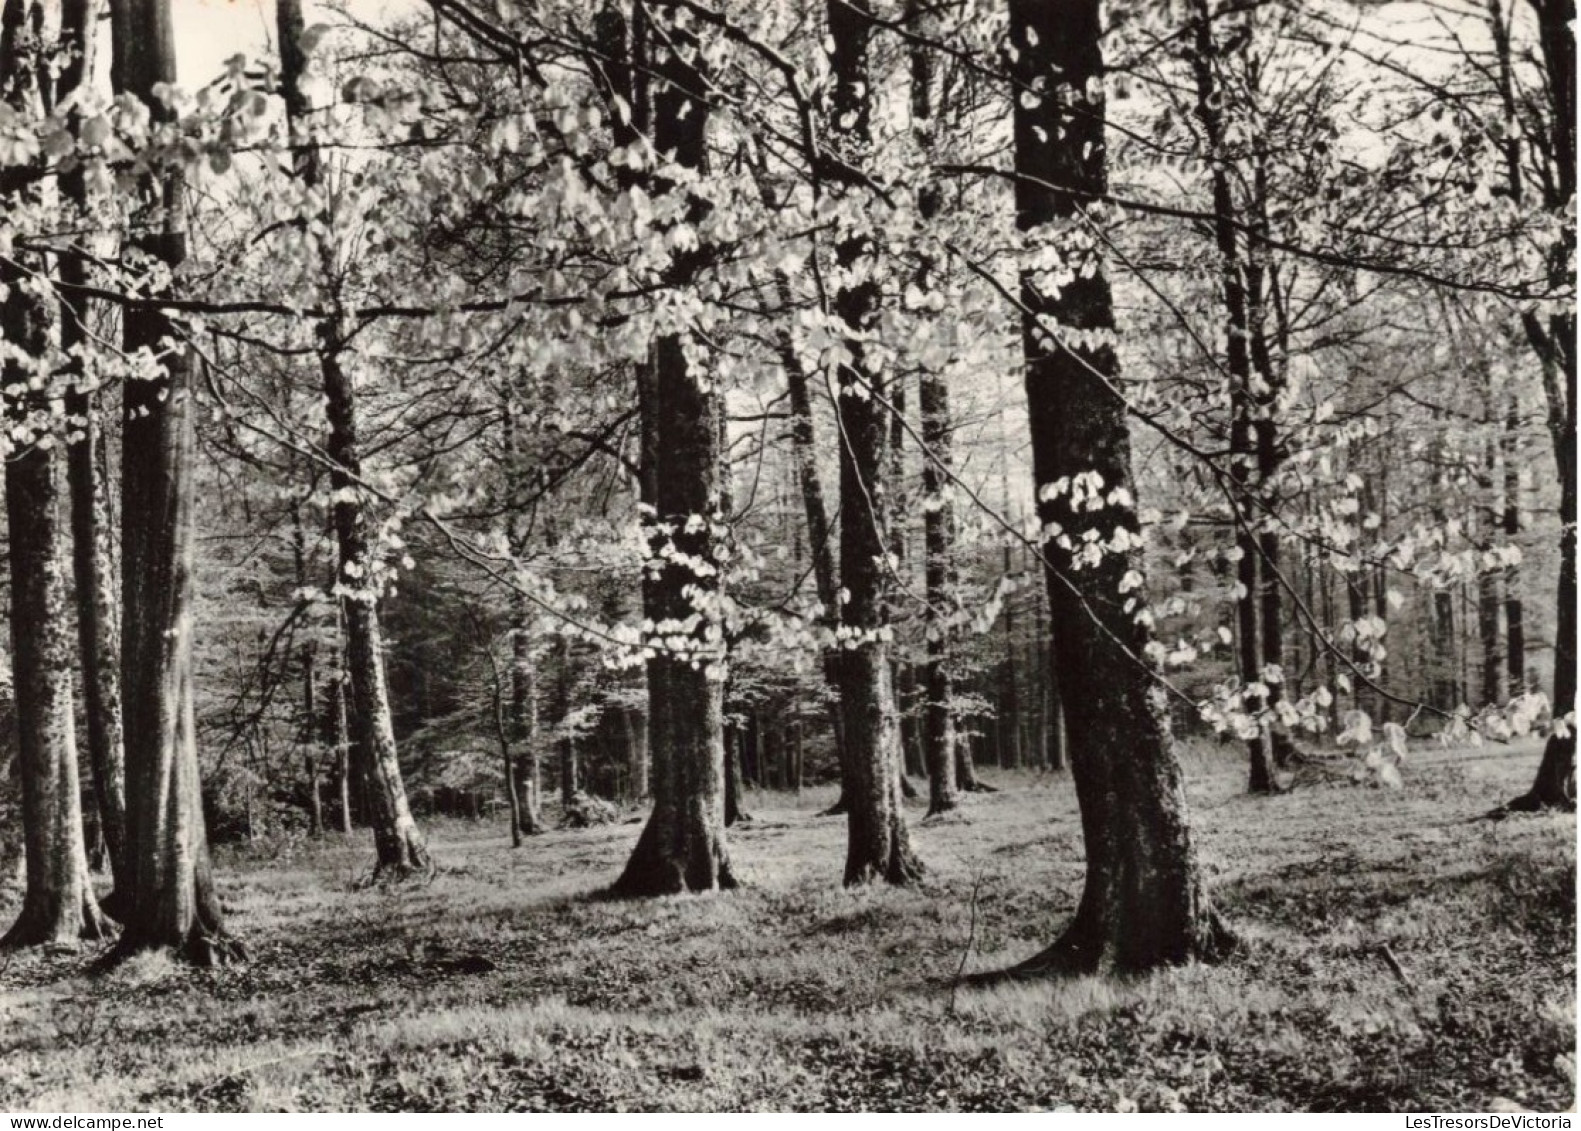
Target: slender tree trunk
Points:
(1144, 903)
(526, 774)
(173, 903)
(939, 740)
(565, 744)
(398, 843)
(309, 729)
(503, 731)
(682, 846)
(92, 562)
(878, 844)
(1514, 608)
(1243, 440)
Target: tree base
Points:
(653, 871)
(899, 869)
(941, 807)
(203, 948)
(839, 809)
(1086, 948)
(56, 929)
(1555, 787)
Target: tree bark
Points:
(308, 731)
(1554, 341)
(527, 774)
(399, 847)
(878, 844)
(92, 558)
(58, 904)
(336, 732)
(683, 845)
(1514, 609)
(1144, 902)
(172, 903)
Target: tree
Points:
(399, 846)
(938, 522)
(58, 904)
(878, 845)
(682, 846)
(92, 561)
(1144, 903)
(1553, 338)
(172, 903)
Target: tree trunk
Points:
(1514, 609)
(526, 774)
(1244, 443)
(938, 528)
(1555, 345)
(878, 844)
(336, 733)
(58, 905)
(565, 744)
(819, 538)
(92, 557)
(173, 904)
(735, 788)
(398, 843)
(683, 846)
(308, 731)
(1144, 903)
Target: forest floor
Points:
(503, 984)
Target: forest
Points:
(797, 555)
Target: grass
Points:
(501, 985)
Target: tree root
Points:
(1080, 951)
(204, 948)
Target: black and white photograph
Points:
(787, 556)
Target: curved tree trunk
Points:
(398, 843)
(1144, 903)
(682, 846)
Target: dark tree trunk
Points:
(682, 847)
(92, 559)
(1514, 609)
(878, 844)
(308, 731)
(1144, 903)
(735, 788)
(399, 846)
(172, 902)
